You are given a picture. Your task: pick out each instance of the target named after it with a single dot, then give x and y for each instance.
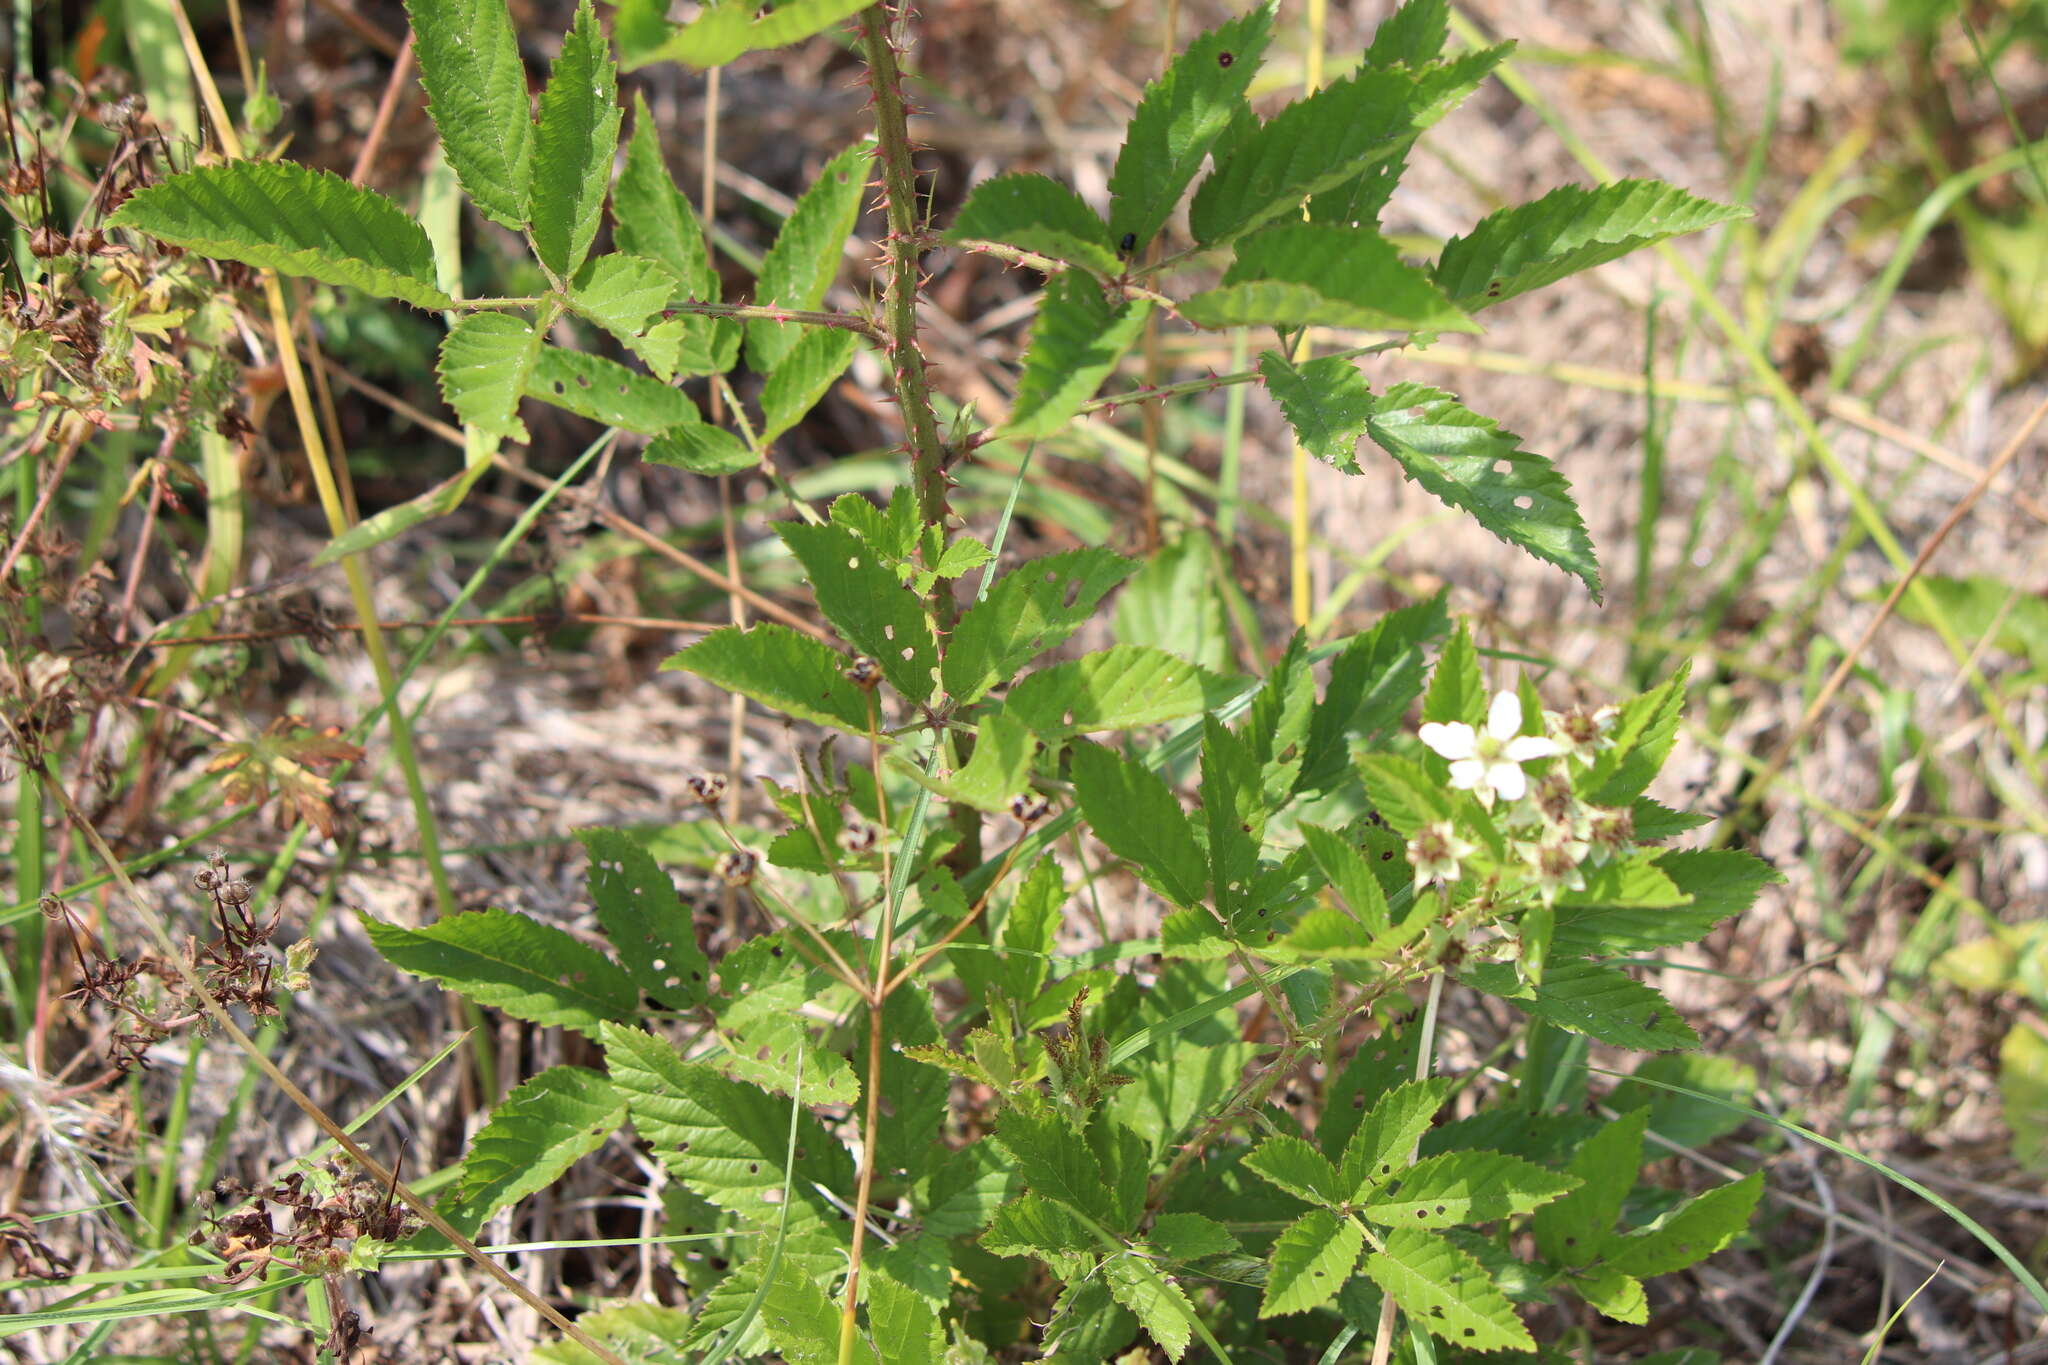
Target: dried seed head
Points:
(737, 867)
(205, 879)
(235, 892)
(859, 836)
(1029, 807)
(864, 673)
(708, 788)
(24, 178)
(46, 242)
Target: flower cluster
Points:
(1525, 783)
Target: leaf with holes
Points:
(1038, 214)
(802, 263)
(783, 670)
(700, 448)
(1118, 688)
(1689, 1233)
(1324, 275)
(647, 923)
(476, 93)
(1027, 611)
(1572, 1231)
(1326, 401)
(1472, 462)
(514, 963)
(1298, 1168)
(292, 219)
(1585, 997)
(485, 361)
(1464, 1187)
(574, 145)
(532, 1136)
(1447, 1293)
(1383, 1143)
(606, 391)
(801, 378)
(871, 607)
(1568, 230)
(620, 293)
(1310, 1262)
(1077, 340)
(1178, 121)
(1160, 1305)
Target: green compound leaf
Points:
(1298, 1168)
(1037, 1226)
(872, 608)
(1310, 1262)
(1384, 1141)
(1324, 275)
(1568, 230)
(1000, 768)
(1077, 340)
(532, 1136)
(654, 219)
(1472, 462)
(1404, 793)
(1036, 213)
(1465, 1187)
(1178, 121)
(800, 266)
(1136, 816)
(1412, 35)
(724, 30)
(801, 378)
(647, 923)
(1052, 1158)
(606, 391)
(701, 449)
(1183, 1237)
(1574, 1230)
(1116, 689)
(476, 93)
(728, 1140)
(1160, 1305)
(1585, 997)
(1689, 1233)
(1703, 888)
(783, 670)
(620, 293)
(1027, 611)
(294, 220)
(510, 962)
(1327, 139)
(689, 345)
(574, 145)
(1447, 1293)
(1326, 401)
(1615, 1295)
(803, 1322)
(485, 361)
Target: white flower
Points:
(1489, 762)
(1436, 852)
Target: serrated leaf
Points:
(1326, 139)
(485, 361)
(1683, 1118)
(532, 1136)
(574, 144)
(687, 344)
(1179, 118)
(294, 220)
(635, 1331)
(647, 923)
(700, 448)
(1465, 1187)
(1298, 1168)
(1051, 1158)
(804, 1323)
(1412, 35)
(1585, 997)
(1160, 1305)
(1384, 1141)
(1689, 1233)
(800, 266)
(1325, 935)
(1027, 611)
(1326, 401)
(1640, 905)
(1472, 462)
(1000, 769)
(905, 1329)
(1350, 875)
(1572, 1231)
(1037, 1226)
(1615, 1295)
(1372, 680)
(1639, 742)
(1457, 690)
(1324, 275)
(1185, 1237)
(1310, 1262)
(620, 293)
(606, 391)
(1134, 814)
(1118, 688)
(871, 607)
(1568, 230)
(476, 92)
(1446, 1292)
(1077, 340)
(1174, 603)
(510, 962)
(783, 670)
(1403, 792)
(1234, 815)
(728, 1140)
(1036, 213)
(802, 376)
(725, 29)
(654, 219)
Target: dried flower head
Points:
(737, 867)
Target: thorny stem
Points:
(878, 997)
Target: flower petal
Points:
(1524, 748)
(1451, 741)
(1468, 773)
(1508, 780)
